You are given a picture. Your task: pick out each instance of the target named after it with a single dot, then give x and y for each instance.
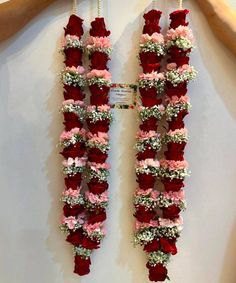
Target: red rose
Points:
(97, 217)
(99, 60)
(174, 155)
(148, 68)
(178, 18)
(147, 153)
(99, 28)
(152, 247)
(96, 187)
(180, 61)
(72, 92)
(82, 265)
(171, 212)
(172, 146)
(70, 124)
(143, 215)
(176, 53)
(99, 90)
(178, 123)
(72, 211)
(149, 125)
(146, 181)
(73, 57)
(168, 246)
(179, 90)
(89, 244)
(96, 155)
(77, 150)
(74, 26)
(75, 238)
(172, 185)
(149, 57)
(152, 19)
(100, 126)
(157, 273)
(73, 182)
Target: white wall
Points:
(32, 248)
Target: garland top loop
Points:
(180, 4)
(74, 7)
(99, 7)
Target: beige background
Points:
(32, 248)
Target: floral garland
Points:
(149, 227)
(73, 143)
(98, 118)
(158, 220)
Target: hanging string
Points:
(74, 7)
(180, 4)
(154, 4)
(99, 8)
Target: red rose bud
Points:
(152, 19)
(97, 217)
(73, 57)
(146, 181)
(82, 265)
(178, 122)
(179, 90)
(96, 187)
(178, 18)
(74, 27)
(143, 215)
(149, 125)
(157, 273)
(96, 155)
(174, 155)
(152, 247)
(172, 185)
(99, 28)
(148, 153)
(75, 238)
(69, 124)
(168, 246)
(73, 182)
(148, 68)
(72, 211)
(72, 92)
(171, 212)
(99, 90)
(149, 57)
(99, 60)
(100, 126)
(180, 61)
(78, 150)
(89, 244)
(172, 146)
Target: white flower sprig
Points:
(147, 140)
(153, 43)
(99, 113)
(73, 76)
(181, 37)
(176, 136)
(76, 107)
(72, 41)
(156, 111)
(153, 79)
(73, 166)
(148, 166)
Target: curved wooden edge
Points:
(222, 20)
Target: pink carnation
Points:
(99, 74)
(100, 137)
(78, 162)
(152, 76)
(164, 222)
(148, 162)
(181, 31)
(96, 166)
(147, 135)
(176, 196)
(96, 227)
(173, 165)
(80, 70)
(93, 198)
(182, 131)
(98, 42)
(155, 38)
(171, 66)
(141, 225)
(175, 99)
(72, 193)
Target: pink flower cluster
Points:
(175, 196)
(102, 138)
(181, 31)
(77, 162)
(72, 193)
(70, 134)
(97, 199)
(182, 69)
(104, 74)
(96, 227)
(154, 194)
(155, 38)
(69, 37)
(79, 70)
(98, 42)
(165, 222)
(143, 225)
(152, 76)
(176, 100)
(96, 166)
(173, 165)
(100, 108)
(160, 107)
(181, 132)
(146, 135)
(148, 163)
(72, 101)
(71, 221)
